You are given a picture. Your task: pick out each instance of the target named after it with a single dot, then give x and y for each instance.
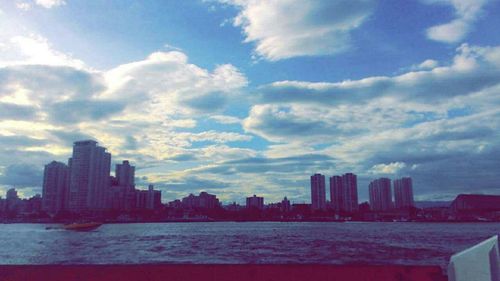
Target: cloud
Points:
(48, 4)
(473, 69)
(225, 119)
(10, 111)
(75, 111)
(286, 29)
(466, 12)
(391, 168)
(21, 175)
(35, 49)
(16, 141)
(259, 165)
(438, 125)
(173, 86)
(23, 6)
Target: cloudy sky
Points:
(241, 97)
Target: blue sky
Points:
(251, 97)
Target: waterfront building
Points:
(55, 187)
(255, 202)
(380, 194)
(344, 193)
(285, 205)
(202, 201)
(12, 201)
(318, 193)
(125, 174)
(403, 193)
(89, 176)
(122, 193)
(148, 199)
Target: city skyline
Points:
(254, 97)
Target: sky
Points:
(243, 97)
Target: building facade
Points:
(89, 177)
(344, 193)
(55, 191)
(380, 194)
(318, 193)
(403, 193)
(255, 202)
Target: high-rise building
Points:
(122, 194)
(336, 193)
(344, 193)
(89, 176)
(55, 187)
(125, 174)
(318, 194)
(255, 202)
(403, 193)
(380, 194)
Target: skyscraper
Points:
(403, 193)
(89, 176)
(55, 187)
(380, 194)
(318, 196)
(125, 174)
(336, 193)
(344, 192)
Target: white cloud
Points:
(25, 6)
(47, 4)
(291, 28)
(426, 65)
(391, 168)
(225, 119)
(466, 12)
(34, 49)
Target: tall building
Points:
(380, 194)
(403, 193)
(344, 193)
(318, 195)
(336, 193)
(90, 166)
(122, 194)
(55, 187)
(125, 174)
(255, 202)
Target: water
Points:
(249, 242)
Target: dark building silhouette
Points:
(202, 201)
(89, 176)
(403, 193)
(125, 174)
(255, 202)
(122, 193)
(344, 193)
(318, 193)
(55, 192)
(380, 194)
(148, 199)
(475, 203)
(285, 205)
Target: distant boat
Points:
(86, 226)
